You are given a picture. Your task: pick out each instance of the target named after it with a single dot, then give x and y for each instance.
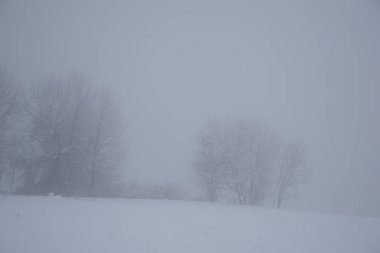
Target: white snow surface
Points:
(49, 224)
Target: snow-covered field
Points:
(52, 225)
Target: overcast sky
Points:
(308, 69)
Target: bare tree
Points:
(250, 151)
(77, 137)
(236, 156)
(107, 142)
(292, 171)
(16, 159)
(8, 109)
(58, 109)
(208, 161)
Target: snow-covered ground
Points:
(51, 224)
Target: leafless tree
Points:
(78, 135)
(208, 161)
(292, 171)
(236, 155)
(8, 109)
(251, 149)
(59, 108)
(107, 142)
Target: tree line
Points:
(66, 136)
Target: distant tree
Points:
(107, 143)
(77, 137)
(9, 105)
(168, 190)
(251, 149)
(292, 171)
(237, 156)
(208, 161)
(59, 109)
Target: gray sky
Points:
(309, 69)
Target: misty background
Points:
(308, 69)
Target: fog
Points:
(308, 69)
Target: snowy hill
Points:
(51, 224)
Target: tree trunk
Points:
(12, 180)
(279, 199)
(92, 182)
